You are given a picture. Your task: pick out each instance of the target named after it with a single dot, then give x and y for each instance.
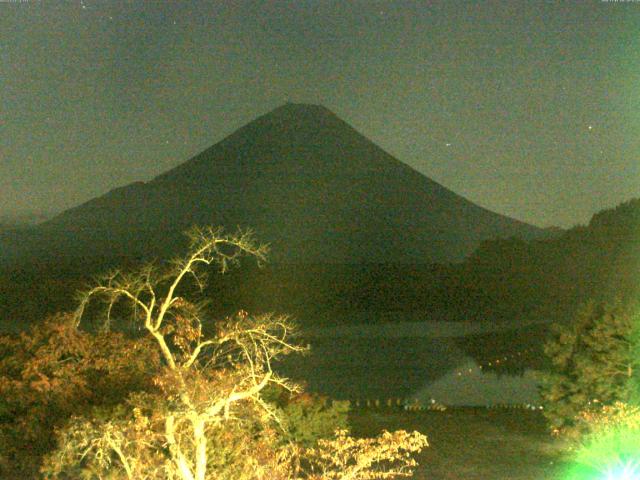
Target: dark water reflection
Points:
(358, 368)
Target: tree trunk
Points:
(176, 453)
(200, 441)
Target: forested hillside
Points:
(548, 278)
(503, 281)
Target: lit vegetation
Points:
(591, 397)
(188, 398)
(593, 365)
(611, 448)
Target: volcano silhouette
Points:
(305, 181)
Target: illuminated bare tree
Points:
(205, 376)
(206, 416)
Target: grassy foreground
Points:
(474, 444)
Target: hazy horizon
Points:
(528, 109)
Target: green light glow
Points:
(628, 471)
(614, 454)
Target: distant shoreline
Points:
(428, 329)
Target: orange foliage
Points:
(55, 370)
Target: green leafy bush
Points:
(308, 418)
(593, 364)
(610, 446)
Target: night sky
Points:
(528, 108)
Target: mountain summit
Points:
(307, 182)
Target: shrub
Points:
(610, 446)
(593, 364)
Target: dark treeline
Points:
(548, 279)
(507, 280)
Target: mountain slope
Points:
(548, 279)
(305, 181)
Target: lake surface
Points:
(405, 360)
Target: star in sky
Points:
(227, 65)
